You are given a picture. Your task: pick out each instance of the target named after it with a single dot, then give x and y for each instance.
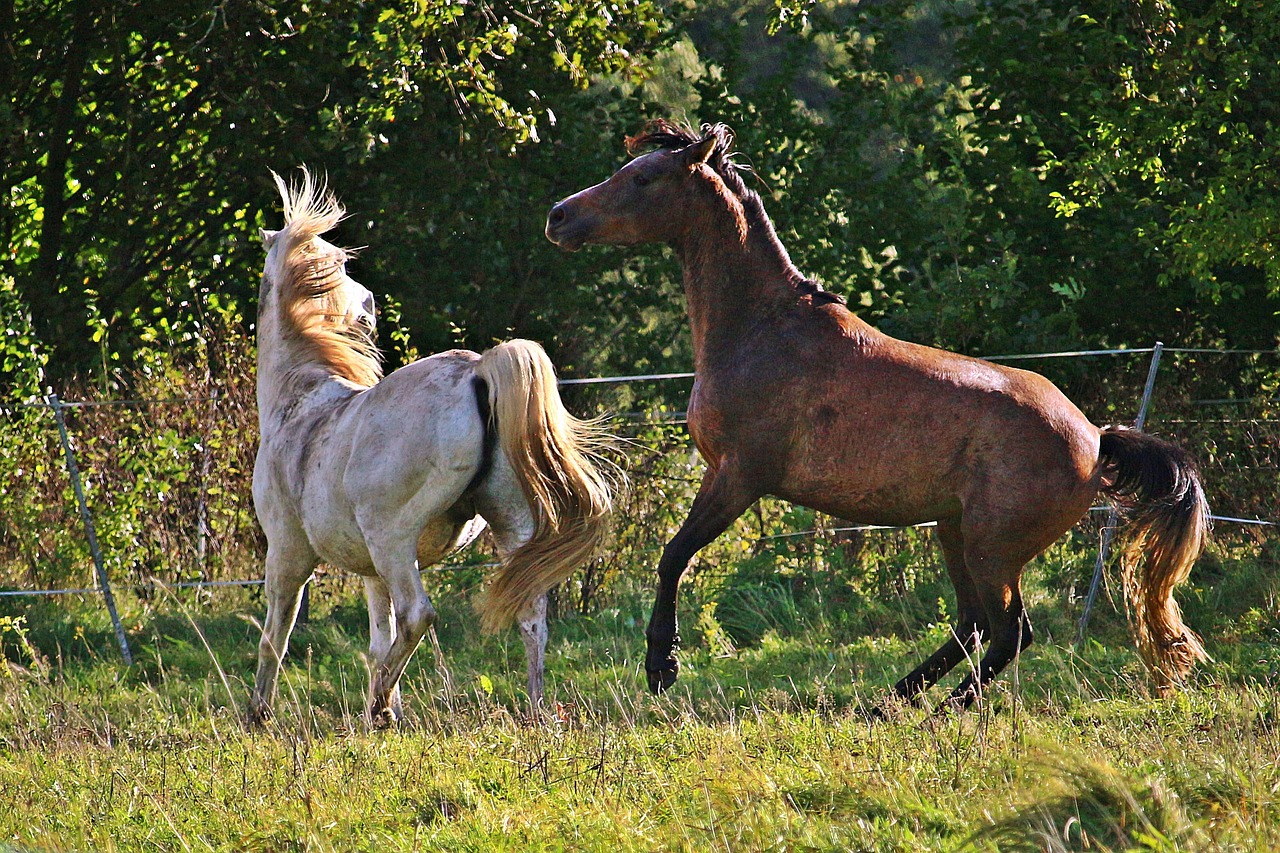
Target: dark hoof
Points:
(382, 718)
(958, 703)
(661, 679)
(879, 714)
(257, 718)
(892, 708)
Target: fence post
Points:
(1113, 517)
(202, 506)
(90, 533)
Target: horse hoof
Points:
(957, 703)
(257, 718)
(382, 718)
(661, 679)
(878, 714)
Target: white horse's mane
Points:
(310, 278)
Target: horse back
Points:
(390, 456)
(832, 414)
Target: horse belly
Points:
(870, 499)
(446, 534)
(337, 538)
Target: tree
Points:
(1150, 127)
(138, 137)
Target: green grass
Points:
(762, 745)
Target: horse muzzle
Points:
(565, 228)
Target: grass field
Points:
(762, 745)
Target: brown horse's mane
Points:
(665, 135)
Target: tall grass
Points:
(762, 748)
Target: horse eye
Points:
(640, 179)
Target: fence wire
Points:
(637, 419)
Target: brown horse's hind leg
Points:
(971, 620)
(1010, 633)
(721, 498)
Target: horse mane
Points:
(666, 135)
(310, 273)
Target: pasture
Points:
(762, 745)
(1057, 184)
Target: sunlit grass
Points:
(763, 744)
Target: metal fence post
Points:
(202, 495)
(1113, 517)
(90, 533)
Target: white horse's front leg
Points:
(287, 571)
(533, 630)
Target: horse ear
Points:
(268, 237)
(699, 152)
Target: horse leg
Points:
(413, 614)
(1010, 628)
(721, 498)
(288, 568)
(501, 502)
(533, 630)
(382, 633)
(971, 620)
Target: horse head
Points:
(349, 305)
(649, 199)
(308, 304)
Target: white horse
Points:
(384, 476)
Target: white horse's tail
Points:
(557, 459)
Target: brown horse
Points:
(796, 397)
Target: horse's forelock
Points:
(661, 134)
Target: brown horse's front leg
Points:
(721, 498)
(663, 634)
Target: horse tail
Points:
(1158, 488)
(558, 463)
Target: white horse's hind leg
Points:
(382, 633)
(533, 630)
(502, 503)
(287, 571)
(413, 615)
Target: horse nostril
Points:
(557, 215)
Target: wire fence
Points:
(664, 418)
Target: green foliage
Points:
(165, 475)
(22, 358)
(1143, 130)
(125, 202)
(993, 178)
(14, 632)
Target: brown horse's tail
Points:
(1158, 487)
(557, 460)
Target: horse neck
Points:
(286, 373)
(731, 284)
